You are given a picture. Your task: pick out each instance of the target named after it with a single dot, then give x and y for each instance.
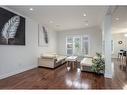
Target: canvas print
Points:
(43, 36)
(12, 28)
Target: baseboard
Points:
(108, 75)
(17, 72)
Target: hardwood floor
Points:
(62, 78)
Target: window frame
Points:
(81, 39)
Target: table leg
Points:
(67, 64)
(73, 64)
(76, 63)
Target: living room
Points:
(69, 33)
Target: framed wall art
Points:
(12, 28)
(42, 36)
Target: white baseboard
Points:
(17, 72)
(108, 75)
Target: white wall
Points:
(15, 59)
(118, 47)
(52, 43)
(95, 36)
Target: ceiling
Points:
(119, 20)
(61, 18)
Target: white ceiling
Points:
(64, 17)
(120, 26)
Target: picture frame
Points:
(43, 40)
(12, 28)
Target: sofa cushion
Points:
(48, 56)
(86, 62)
(60, 57)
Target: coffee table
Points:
(72, 60)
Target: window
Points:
(77, 45)
(85, 45)
(69, 45)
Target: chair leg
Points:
(122, 60)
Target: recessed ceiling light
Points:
(125, 35)
(31, 9)
(117, 18)
(51, 21)
(84, 14)
(86, 24)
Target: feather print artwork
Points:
(10, 28)
(45, 35)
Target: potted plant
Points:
(98, 64)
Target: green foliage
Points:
(77, 45)
(98, 64)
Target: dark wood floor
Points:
(62, 78)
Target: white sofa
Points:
(51, 60)
(86, 64)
